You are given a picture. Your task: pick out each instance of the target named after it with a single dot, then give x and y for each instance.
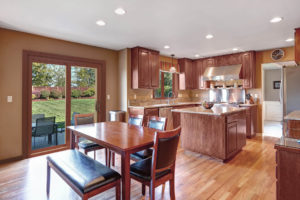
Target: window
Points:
(165, 89)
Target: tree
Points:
(41, 75)
(83, 77)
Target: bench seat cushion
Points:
(142, 169)
(84, 172)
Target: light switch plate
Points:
(196, 95)
(134, 96)
(151, 96)
(108, 97)
(9, 99)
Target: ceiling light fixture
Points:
(197, 55)
(120, 11)
(209, 36)
(276, 20)
(101, 23)
(235, 49)
(167, 47)
(289, 40)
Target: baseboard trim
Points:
(11, 159)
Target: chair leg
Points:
(172, 188)
(113, 159)
(48, 179)
(94, 154)
(106, 157)
(118, 191)
(85, 152)
(163, 186)
(56, 139)
(143, 189)
(152, 192)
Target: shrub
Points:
(55, 94)
(33, 96)
(45, 94)
(76, 93)
(63, 93)
(89, 92)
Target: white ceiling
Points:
(154, 23)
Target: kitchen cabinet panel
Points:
(231, 137)
(249, 69)
(187, 77)
(297, 45)
(144, 68)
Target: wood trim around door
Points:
(68, 61)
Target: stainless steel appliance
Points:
(227, 95)
(290, 89)
(223, 73)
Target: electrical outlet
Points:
(108, 97)
(134, 96)
(179, 95)
(151, 96)
(9, 99)
(196, 95)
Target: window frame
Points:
(162, 82)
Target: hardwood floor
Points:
(249, 175)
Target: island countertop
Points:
(215, 110)
(295, 115)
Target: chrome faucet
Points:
(171, 92)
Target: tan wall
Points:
(12, 43)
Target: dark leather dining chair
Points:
(87, 145)
(134, 120)
(45, 127)
(158, 123)
(159, 168)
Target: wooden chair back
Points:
(81, 119)
(165, 150)
(136, 120)
(159, 123)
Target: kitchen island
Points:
(219, 132)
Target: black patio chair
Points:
(44, 127)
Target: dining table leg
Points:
(72, 140)
(125, 172)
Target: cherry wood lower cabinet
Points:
(293, 127)
(251, 120)
(297, 45)
(288, 169)
(218, 136)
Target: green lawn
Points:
(57, 107)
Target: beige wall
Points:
(271, 94)
(12, 43)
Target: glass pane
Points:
(168, 85)
(48, 105)
(157, 92)
(83, 91)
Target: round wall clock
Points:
(277, 54)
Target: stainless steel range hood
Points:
(224, 73)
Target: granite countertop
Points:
(295, 115)
(247, 105)
(216, 110)
(165, 105)
(288, 142)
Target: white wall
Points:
(270, 76)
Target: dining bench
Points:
(87, 177)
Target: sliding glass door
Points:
(55, 88)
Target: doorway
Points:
(55, 88)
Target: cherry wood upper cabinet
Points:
(187, 76)
(297, 45)
(248, 69)
(144, 68)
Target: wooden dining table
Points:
(120, 137)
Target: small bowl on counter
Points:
(207, 105)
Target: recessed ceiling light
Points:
(235, 49)
(120, 11)
(101, 23)
(209, 36)
(276, 19)
(167, 47)
(197, 55)
(289, 40)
